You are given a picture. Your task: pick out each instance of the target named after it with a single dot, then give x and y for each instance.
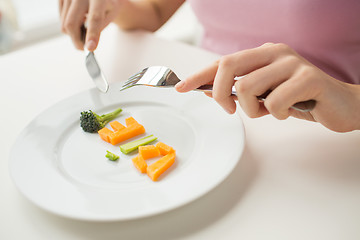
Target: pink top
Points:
(326, 32)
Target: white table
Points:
(295, 180)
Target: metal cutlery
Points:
(159, 76)
(93, 67)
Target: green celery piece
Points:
(111, 156)
(132, 146)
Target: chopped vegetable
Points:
(148, 151)
(116, 126)
(164, 149)
(132, 146)
(111, 156)
(132, 129)
(126, 133)
(105, 134)
(140, 163)
(92, 122)
(130, 121)
(160, 166)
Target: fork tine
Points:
(135, 76)
(128, 85)
(139, 73)
(133, 79)
(132, 82)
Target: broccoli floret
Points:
(92, 123)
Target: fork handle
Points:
(304, 106)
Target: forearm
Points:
(146, 14)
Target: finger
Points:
(74, 21)
(61, 3)
(250, 103)
(302, 115)
(96, 22)
(252, 59)
(205, 76)
(260, 81)
(63, 13)
(239, 64)
(247, 61)
(209, 94)
(223, 82)
(296, 89)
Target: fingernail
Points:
(91, 45)
(180, 84)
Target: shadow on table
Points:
(179, 223)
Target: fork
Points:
(159, 76)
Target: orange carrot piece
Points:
(130, 121)
(126, 133)
(148, 151)
(164, 149)
(160, 166)
(140, 163)
(116, 125)
(105, 133)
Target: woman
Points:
(315, 52)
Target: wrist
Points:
(357, 107)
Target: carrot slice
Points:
(148, 151)
(116, 125)
(140, 163)
(164, 149)
(126, 133)
(105, 134)
(160, 166)
(130, 121)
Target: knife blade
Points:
(93, 66)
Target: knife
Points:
(93, 67)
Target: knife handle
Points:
(83, 33)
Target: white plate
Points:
(63, 170)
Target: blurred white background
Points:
(25, 22)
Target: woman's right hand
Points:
(97, 14)
(291, 79)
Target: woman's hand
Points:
(97, 14)
(290, 78)
(147, 15)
